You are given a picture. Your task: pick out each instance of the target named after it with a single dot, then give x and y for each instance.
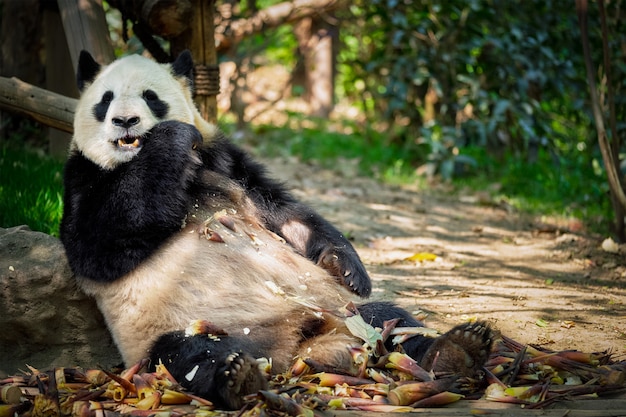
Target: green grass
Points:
(572, 187)
(31, 190)
(371, 152)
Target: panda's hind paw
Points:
(239, 377)
(462, 350)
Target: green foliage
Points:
(493, 74)
(495, 86)
(31, 191)
(553, 185)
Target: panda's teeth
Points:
(128, 142)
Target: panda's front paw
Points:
(178, 133)
(239, 377)
(347, 267)
(463, 350)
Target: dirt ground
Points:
(544, 283)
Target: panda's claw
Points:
(240, 376)
(347, 268)
(462, 350)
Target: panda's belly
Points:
(241, 278)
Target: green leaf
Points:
(364, 331)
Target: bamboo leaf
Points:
(364, 331)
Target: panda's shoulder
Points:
(76, 159)
(222, 155)
(79, 168)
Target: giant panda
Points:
(167, 223)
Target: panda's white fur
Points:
(127, 78)
(252, 285)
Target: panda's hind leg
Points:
(376, 313)
(328, 352)
(462, 350)
(216, 368)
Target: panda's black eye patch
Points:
(158, 107)
(150, 95)
(107, 97)
(100, 109)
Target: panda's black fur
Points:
(166, 222)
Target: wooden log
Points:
(59, 74)
(200, 40)
(166, 18)
(51, 109)
(86, 28)
(203, 47)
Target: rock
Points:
(45, 320)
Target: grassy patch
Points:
(370, 150)
(31, 190)
(567, 187)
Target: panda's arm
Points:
(302, 227)
(114, 220)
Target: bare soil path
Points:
(537, 283)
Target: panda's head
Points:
(120, 102)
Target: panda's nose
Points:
(125, 122)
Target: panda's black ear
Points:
(183, 65)
(87, 69)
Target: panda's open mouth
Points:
(129, 142)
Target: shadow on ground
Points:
(536, 283)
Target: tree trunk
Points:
(618, 196)
(620, 210)
(59, 75)
(316, 40)
(199, 39)
(21, 35)
(86, 28)
(21, 40)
